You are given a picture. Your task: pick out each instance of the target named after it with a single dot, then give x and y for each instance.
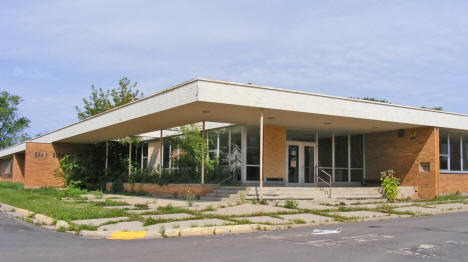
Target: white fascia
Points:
(18, 148)
(280, 99)
(179, 95)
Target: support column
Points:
(129, 157)
(203, 154)
(107, 155)
(261, 156)
(161, 159)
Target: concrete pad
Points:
(123, 226)
(314, 206)
(169, 216)
(247, 209)
(141, 211)
(263, 219)
(308, 218)
(119, 207)
(418, 210)
(363, 214)
(189, 224)
(98, 221)
(452, 207)
(44, 219)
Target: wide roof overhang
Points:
(216, 101)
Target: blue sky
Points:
(409, 52)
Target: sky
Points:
(408, 52)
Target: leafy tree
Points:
(12, 125)
(97, 102)
(102, 100)
(126, 93)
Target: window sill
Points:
(446, 172)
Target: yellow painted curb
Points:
(127, 235)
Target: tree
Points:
(102, 100)
(12, 125)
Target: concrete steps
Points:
(233, 193)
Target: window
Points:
(253, 153)
(453, 150)
(465, 153)
(348, 156)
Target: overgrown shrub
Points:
(389, 184)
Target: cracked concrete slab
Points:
(169, 216)
(248, 209)
(189, 224)
(263, 219)
(97, 221)
(308, 218)
(123, 226)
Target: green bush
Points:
(389, 184)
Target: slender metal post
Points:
(261, 155)
(161, 152)
(107, 155)
(203, 154)
(130, 157)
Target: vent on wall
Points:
(424, 167)
(401, 132)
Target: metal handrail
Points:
(329, 183)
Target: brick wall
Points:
(168, 190)
(451, 183)
(18, 167)
(41, 161)
(274, 146)
(387, 150)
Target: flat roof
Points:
(220, 101)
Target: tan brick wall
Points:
(168, 190)
(274, 146)
(42, 160)
(451, 183)
(18, 167)
(386, 150)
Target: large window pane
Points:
(465, 152)
(455, 157)
(443, 162)
(325, 152)
(253, 146)
(341, 175)
(253, 173)
(443, 143)
(357, 151)
(356, 175)
(236, 149)
(341, 151)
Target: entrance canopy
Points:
(216, 101)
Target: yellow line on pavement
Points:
(127, 235)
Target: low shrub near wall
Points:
(167, 190)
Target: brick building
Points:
(271, 136)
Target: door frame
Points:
(301, 145)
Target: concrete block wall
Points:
(404, 152)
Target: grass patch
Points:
(44, 201)
(110, 202)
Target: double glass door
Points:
(300, 161)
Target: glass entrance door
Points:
(300, 161)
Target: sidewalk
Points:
(149, 217)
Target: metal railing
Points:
(320, 179)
